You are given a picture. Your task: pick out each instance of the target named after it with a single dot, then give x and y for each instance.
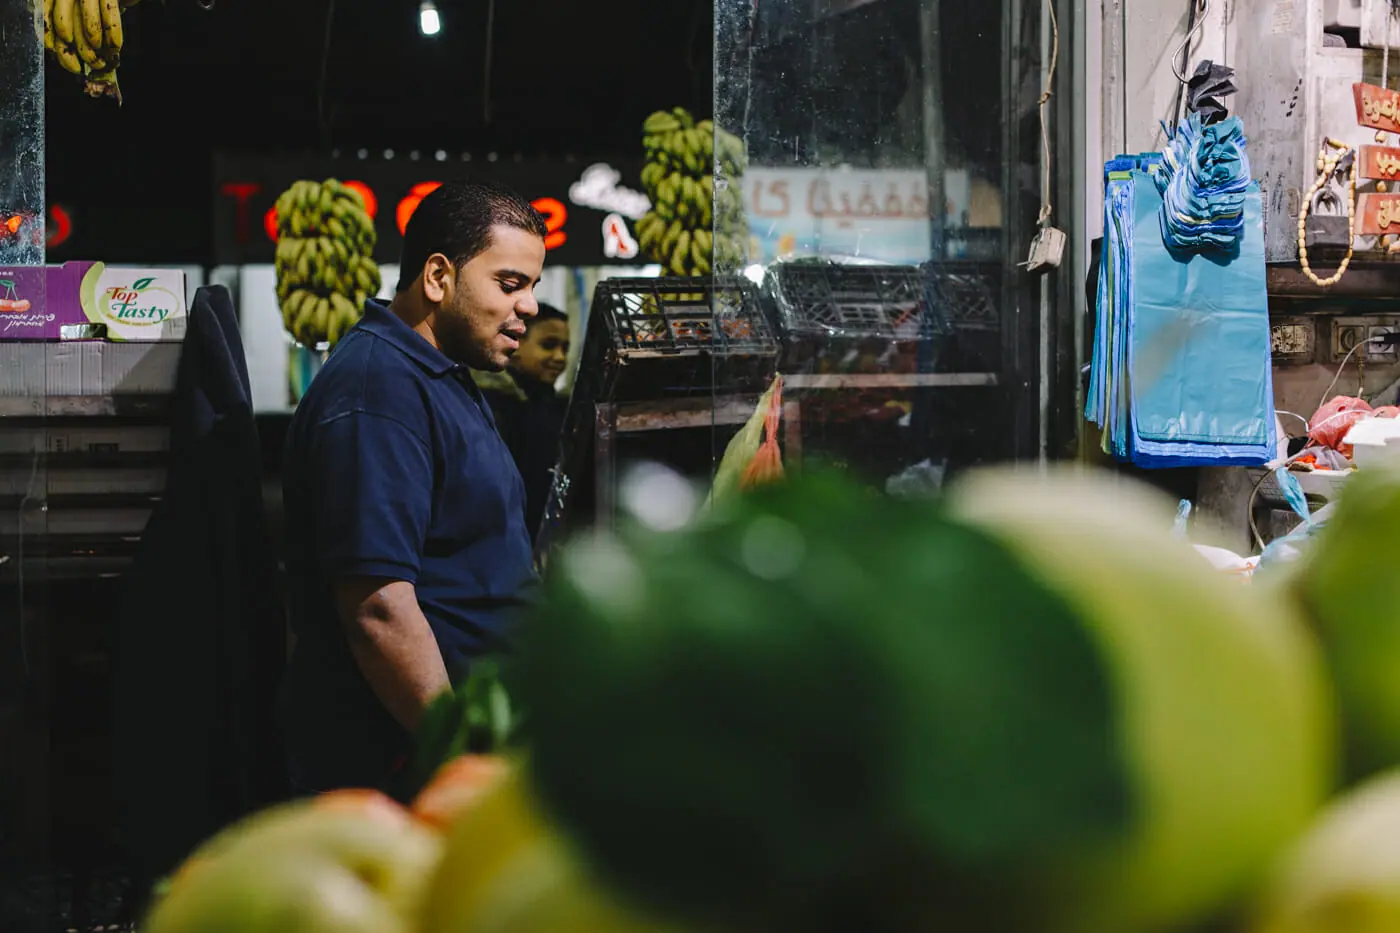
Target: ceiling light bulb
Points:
(429, 23)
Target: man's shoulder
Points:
(365, 375)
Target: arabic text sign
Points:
(1377, 107)
(1380, 162)
(1378, 213)
(880, 215)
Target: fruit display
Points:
(689, 230)
(506, 869)
(86, 37)
(1343, 876)
(325, 260)
(1342, 584)
(1026, 706)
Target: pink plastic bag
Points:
(1329, 426)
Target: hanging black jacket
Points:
(200, 632)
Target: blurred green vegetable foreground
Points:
(1026, 708)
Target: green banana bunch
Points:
(679, 178)
(325, 269)
(86, 39)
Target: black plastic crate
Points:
(658, 345)
(859, 302)
(680, 317)
(856, 317)
(660, 338)
(966, 293)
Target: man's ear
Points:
(438, 278)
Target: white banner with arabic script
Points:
(878, 215)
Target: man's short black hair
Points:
(456, 220)
(547, 312)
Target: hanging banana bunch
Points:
(325, 264)
(680, 231)
(86, 37)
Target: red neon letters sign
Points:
(554, 214)
(553, 211)
(408, 205)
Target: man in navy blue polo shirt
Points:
(407, 549)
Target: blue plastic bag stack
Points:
(1181, 372)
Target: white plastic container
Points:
(1375, 441)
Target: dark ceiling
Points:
(567, 76)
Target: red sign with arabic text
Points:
(1379, 162)
(1378, 214)
(1377, 107)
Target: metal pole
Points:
(935, 138)
(22, 130)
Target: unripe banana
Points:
(660, 122)
(668, 239)
(682, 252)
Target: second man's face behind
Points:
(481, 319)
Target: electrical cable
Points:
(1046, 204)
(1385, 56)
(1249, 510)
(1337, 378)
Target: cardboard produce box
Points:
(88, 301)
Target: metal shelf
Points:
(89, 460)
(816, 381)
(1377, 279)
(128, 501)
(85, 406)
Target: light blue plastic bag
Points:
(1199, 367)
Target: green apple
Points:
(1225, 713)
(1344, 875)
(506, 870)
(1345, 582)
(305, 868)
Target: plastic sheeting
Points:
(1181, 372)
(1204, 186)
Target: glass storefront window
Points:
(889, 195)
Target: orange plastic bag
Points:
(767, 464)
(747, 448)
